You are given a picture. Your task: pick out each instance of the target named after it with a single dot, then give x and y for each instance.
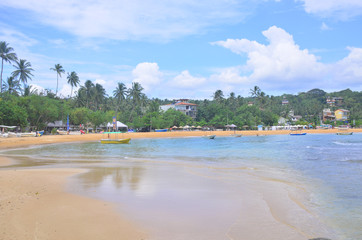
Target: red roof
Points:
(183, 103)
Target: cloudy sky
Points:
(188, 48)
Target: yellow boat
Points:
(115, 140)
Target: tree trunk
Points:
(2, 65)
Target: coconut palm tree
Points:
(136, 96)
(23, 71)
(29, 91)
(120, 94)
(12, 86)
(59, 69)
(99, 94)
(135, 93)
(73, 81)
(7, 54)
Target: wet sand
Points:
(35, 205)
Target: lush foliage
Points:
(92, 107)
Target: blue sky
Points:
(189, 49)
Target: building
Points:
(341, 114)
(285, 101)
(182, 105)
(328, 115)
(250, 104)
(334, 101)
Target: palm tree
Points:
(255, 92)
(59, 69)
(120, 92)
(73, 81)
(88, 89)
(99, 94)
(28, 91)
(23, 71)
(135, 93)
(218, 96)
(7, 55)
(12, 86)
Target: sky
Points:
(187, 48)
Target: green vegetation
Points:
(90, 106)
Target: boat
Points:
(297, 133)
(28, 134)
(211, 136)
(344, 133)
(343, 130)
(114, 140)
(60, 132)
(161, 130)
(236, 135)
(40, 133)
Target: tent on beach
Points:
(120, 126)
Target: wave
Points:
(348, 143)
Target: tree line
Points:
(91, 106)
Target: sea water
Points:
(329, 165)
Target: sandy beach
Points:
(6, 143)
(35, 205)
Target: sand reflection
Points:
(118, 176)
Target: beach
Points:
(51, 139)
(36, 204)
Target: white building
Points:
(189, 109)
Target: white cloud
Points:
(186, 80)
(134, 19)
(282, 62)
(148, 75)
(341, 9)
(325, 27)
(349, 68)
(230, 75)
(100, 81)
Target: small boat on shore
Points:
(343, 130)
(161, 130)
(28, 134)
(297, 133)
(114, 140)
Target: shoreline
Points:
(6, 143)
(54, 213)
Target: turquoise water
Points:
(329, 165)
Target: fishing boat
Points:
(161, 130)
(61, 132)
(210, 136)
(343, 130)
(344, 133)
(297, 133)
(236, 135)
(115, 140)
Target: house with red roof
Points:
(182, 105)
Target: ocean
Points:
(187, 177)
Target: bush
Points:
(54, 131)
